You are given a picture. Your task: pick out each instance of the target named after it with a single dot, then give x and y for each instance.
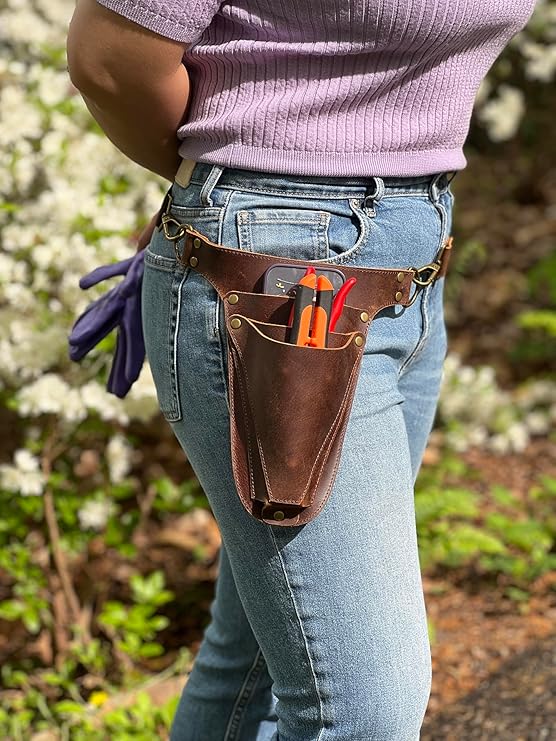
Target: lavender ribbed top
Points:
(332, 87)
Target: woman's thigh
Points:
(336, 605)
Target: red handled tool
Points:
(339, 301)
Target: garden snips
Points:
(314, 316)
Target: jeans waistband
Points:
(319, 185)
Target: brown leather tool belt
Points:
(284, 470)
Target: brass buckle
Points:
(434, 267)
(168, 222)
(420, 281)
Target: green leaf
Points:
(69, 707)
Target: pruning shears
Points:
(312, 318)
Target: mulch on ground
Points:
(516, 703)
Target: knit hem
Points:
(331, 164)
(151, 20)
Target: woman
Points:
(320, 131)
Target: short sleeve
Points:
(181, 20)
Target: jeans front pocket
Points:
(348, 230)
(161, 290)
(332, 230)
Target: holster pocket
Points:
(289, 406)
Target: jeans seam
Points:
(314, 676)
(175, 322)
(243, 697)
(360, 194)
(424, 300)
(221, 218)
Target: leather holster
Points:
(290, 404)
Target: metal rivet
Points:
(358, 340)
(278, 515)
(364, 316)
(196, 243)
(399, 295)
(233, 298)
(193, 261)
(235, 323)
(400, 277)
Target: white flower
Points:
(499, 444)
(518, 436)
(50, 394)
(541, 60)
(537, 423)
(25, 461)
(118, 458)
(94, 514)
(502, 114)
(24, 477)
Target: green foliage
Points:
(459, 527)
(543, 320)
(539, 324)
(133, 628)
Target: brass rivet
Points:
(364, 316)
(235, 323)
(400, 277)
(233, 298)
(399, 295)
(278, 515)
(196, 243)
(193, 261)
(358, 340)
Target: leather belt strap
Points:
(176, 231)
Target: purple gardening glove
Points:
(119, 308)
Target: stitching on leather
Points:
(312, 512)
(332, 427)
(244, 398)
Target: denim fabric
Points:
(317, 632)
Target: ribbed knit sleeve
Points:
(181, 20)
(332, 87)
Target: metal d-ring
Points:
(175, 237)
(421, 282)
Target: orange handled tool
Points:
(323, 309)
(300, 329)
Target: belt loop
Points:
(210, 184)
(434, 188)
(184, 173)
(368, 202)
(440, 184)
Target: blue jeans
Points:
(317, 632)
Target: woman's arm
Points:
(132, 81)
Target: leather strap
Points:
(229, 268)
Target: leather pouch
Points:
(290, 404)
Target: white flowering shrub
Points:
(529, 57)
(473, 410)
(69, 201)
